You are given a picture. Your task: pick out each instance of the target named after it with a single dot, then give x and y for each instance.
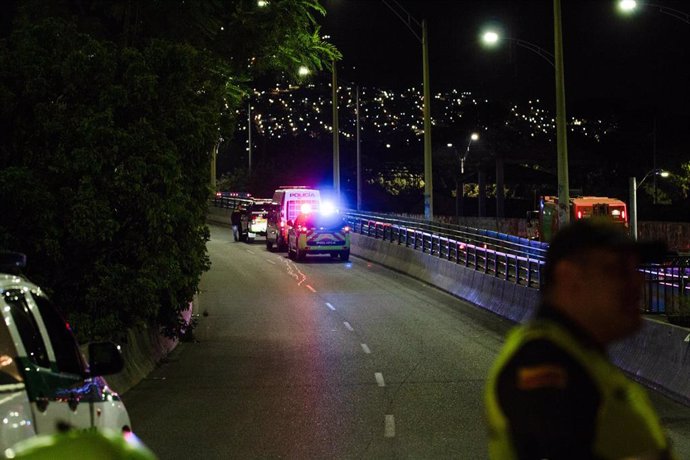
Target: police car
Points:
(318, 233)
(45, 383)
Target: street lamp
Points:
(409, 21)
(630, 6)
(633, 197)
(556, 60)
(473, 137)
(491, 38)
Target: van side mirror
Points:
(105, 359)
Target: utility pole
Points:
(561, 131)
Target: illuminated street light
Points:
(473, 138)
(633, 197)
(630, 6)
(491, 38)
(262, 3)
(303, 71)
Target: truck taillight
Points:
(623, 215)
(579, 214)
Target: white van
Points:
(288, 202)
(45, 383)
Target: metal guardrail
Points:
(667, 288)
(230, 202)
(519, 260)
(509, 257)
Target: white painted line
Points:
(389, 427)
(250, 251)
(310, 288)
(366, 348)
(330, 306)
(270, 261)
(379, 379)
(347, 325)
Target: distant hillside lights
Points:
(294, 111)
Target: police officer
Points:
(552, 393)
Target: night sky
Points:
(635, 64)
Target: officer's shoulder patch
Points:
(542, 376)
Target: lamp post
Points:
(633, 197)
(491, 38)
(409, 21)
(473, 137)
(630, 6)
(556, 60)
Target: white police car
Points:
(45, 383)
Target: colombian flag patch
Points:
(541, 377)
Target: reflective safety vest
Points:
(81, 444)
(626, 423)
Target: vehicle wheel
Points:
(269, 246)
(291, 254)
(243, 237)
(345, 255)
(249, 240)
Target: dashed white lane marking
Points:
(250, 251)
(389, 427)
(270, 261)
(379, 379)
(366, 348)
(347, 325)
(311, 288)
(330, 306)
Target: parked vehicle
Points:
(45, 381)
(315, 233)
(253, 220)
(289, 202)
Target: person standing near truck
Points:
(235, 218)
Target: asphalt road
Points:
(324, 360)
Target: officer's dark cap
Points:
(594, 233)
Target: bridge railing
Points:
(667, 288)
(230, 202)
(514, 259)
(519, 260)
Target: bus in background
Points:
(288, 202)
(583, 207)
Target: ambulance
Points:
(288, 202)
(45, 382)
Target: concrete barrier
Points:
(658, 356)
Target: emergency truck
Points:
(544, 222)
(288, 202)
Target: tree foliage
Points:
(108, 115)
